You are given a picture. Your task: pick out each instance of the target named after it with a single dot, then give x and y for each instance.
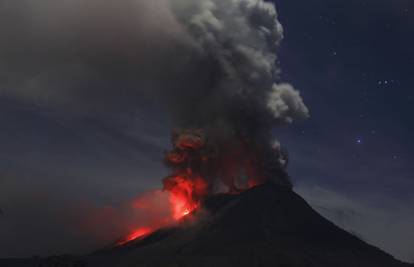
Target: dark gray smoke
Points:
(207, 64)
(210, 64)
(238, 41)
(237, 97)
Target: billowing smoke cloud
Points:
(239, 40)
(208, 64)
(88, 55)
(239, 101)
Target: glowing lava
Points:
(183, 199)
(184, 194)
(193, 163)
(140, 232)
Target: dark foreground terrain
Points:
(267, 226)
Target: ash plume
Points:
(208, 65)
(238, 98)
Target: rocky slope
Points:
(267, 226)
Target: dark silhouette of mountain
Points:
(267, 226)
(264, 226)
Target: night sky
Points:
(353, 62)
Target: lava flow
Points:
(195, 164)
(186, 187)
(181, 201)
(140, 232)
(182, 195)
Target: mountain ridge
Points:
(266, 226)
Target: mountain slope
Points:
(265, 226)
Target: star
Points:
(359, 141)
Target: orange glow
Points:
(193, 164)
(176, 158)
(140, 232)
(253, 183)
(184, 197)
(186, 212)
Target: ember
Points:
(183, 195)
(135, 235)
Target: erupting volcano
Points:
(268, 225)
(198, 169)
(226, 97)
(106, 82)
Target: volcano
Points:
(267, 225)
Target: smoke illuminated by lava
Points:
(183, 199)
(185, 187)
(196, 172)
(228, 101)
